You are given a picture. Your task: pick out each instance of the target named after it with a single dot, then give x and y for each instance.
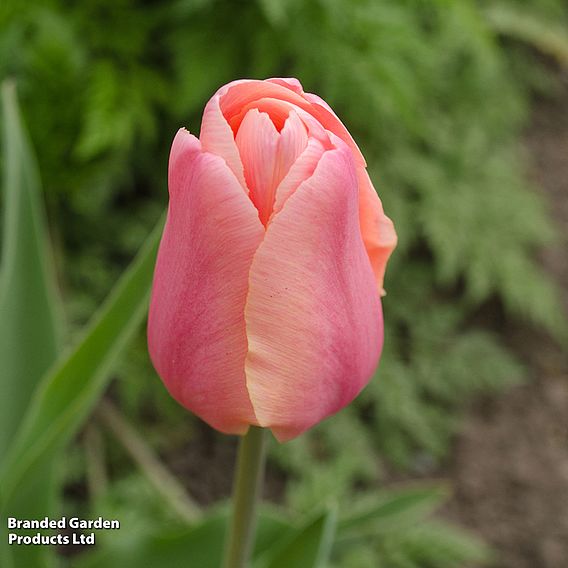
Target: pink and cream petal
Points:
(258, 142)
(293, 141)
(301, 170)
(330, 121)
(185, 149)
(267, 155)
(217, 138)
(313, 314)
(196, 328)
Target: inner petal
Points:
(268, 154)
(277, 110)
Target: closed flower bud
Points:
(266, 305)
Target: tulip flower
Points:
(265, 309)
(266, 301)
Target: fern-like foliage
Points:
(437, 104)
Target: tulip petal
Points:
(313, 314)
(246, 93)
(279, 112)
(217, 138)
(301, 170)
(377, 229)
(293, 141)
(289, 82)
(330, 121)
(239, 94)
(258, 141)
(232, 98)
(267, 155)
(196, 328)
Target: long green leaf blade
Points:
(30, 320)
(69, 392)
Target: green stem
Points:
(248, 482)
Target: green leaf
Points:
(307, 547)
(200, 546)
(69, 392)
(394, 510)
(30, 320)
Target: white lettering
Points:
(98, 523)
(83, 538)
(39, 539)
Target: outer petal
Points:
(377, 229)
(196, 328)
(330, 121)
(313, 313)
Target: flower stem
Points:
(248, 482)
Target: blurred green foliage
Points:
(436, 102)
(30, 320)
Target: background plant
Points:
(437, 101)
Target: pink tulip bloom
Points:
(266, 303)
